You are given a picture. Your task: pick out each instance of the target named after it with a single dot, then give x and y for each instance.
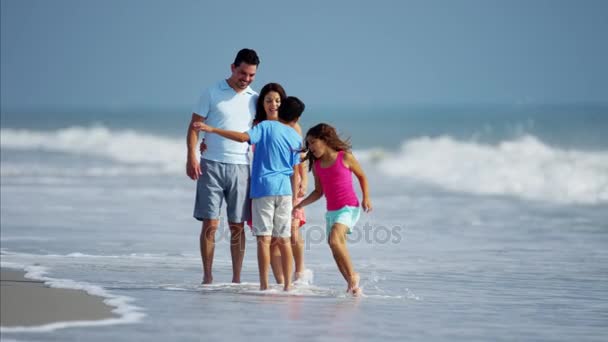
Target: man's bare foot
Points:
(236, 280)
(207, 280)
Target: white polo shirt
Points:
(224, 108)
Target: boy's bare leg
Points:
(286, 257)
(275, 260)
(297, 245)
(237, 249)
(207, 247)
(337, 243)
(263, 260)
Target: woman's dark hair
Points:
(260, 113)
(329, 135)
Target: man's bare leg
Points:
(207, 247)
(263, 260)
(237, 249)
(275, 260)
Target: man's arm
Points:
(193, 168)
(232, 135)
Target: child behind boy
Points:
(273, 187)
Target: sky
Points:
(154, 53)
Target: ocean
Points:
(490, 223)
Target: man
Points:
(223, 172)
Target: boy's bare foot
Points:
(287, 288)
(297, 276)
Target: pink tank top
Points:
(337, 183)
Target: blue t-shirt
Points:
(277, 151)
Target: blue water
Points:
(490, 223)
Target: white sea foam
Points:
(126, 146)
(524, 167)
(128, 312)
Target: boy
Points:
(273, 188)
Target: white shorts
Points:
(271, 215)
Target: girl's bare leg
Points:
(337, 243)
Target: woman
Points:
(267, 108)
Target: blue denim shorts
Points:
(347, 215)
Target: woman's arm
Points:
(351, 162)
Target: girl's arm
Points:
(314, 195)
(353, 164)
(303, 178)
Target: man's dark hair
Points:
(291, 109)
(248, 56)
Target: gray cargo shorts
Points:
(221, 181)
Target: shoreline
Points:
(29, 304)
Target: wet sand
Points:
(26, 302)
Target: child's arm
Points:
(303, 179)
(303, 175)
(353, 164)
(232, 135)
(314, 195)
(295, 183)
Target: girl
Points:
(332, 163)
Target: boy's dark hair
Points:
(248, 56)
(291, 109)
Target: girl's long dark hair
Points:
(329, 135)
(260, 113)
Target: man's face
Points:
(243, 75)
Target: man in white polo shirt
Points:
(223, 171)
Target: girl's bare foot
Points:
(353, 285)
